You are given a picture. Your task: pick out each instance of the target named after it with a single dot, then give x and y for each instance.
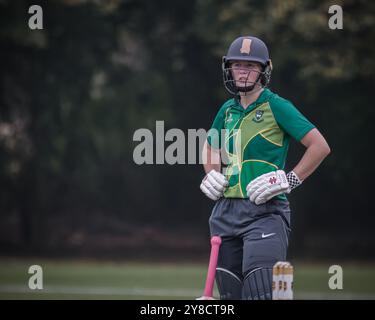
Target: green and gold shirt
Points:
(256, 138)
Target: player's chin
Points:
(242, 84)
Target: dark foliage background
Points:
(73, 94)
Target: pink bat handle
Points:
(215, 245)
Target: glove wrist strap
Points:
(294, 180)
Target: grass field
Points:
(109, 280)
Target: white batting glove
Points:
(271, 184)
(214, 184)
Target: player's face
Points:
(245, 73)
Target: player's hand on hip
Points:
(214, 184)
(267, 186)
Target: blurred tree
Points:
(73, 94)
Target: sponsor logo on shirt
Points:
(229, 119)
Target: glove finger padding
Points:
(214, 183)
(207, 192)
(258, 191)
(268, 193)
(258, 185)
(220, 178)
(258, 180)
(211, 188)
(267, 186)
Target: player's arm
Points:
(273, 183)
(211, 158)
(214, 183)
(317, 149)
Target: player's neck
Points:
(247, 98)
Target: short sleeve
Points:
(290, 119)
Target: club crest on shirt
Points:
(258, 116)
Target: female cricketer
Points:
(252, 213)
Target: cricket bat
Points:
(210, 279)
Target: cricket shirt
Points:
(256, 139)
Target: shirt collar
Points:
(263, 97)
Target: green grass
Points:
(106, 280)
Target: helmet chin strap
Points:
(250, 89)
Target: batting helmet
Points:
(247, 48)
